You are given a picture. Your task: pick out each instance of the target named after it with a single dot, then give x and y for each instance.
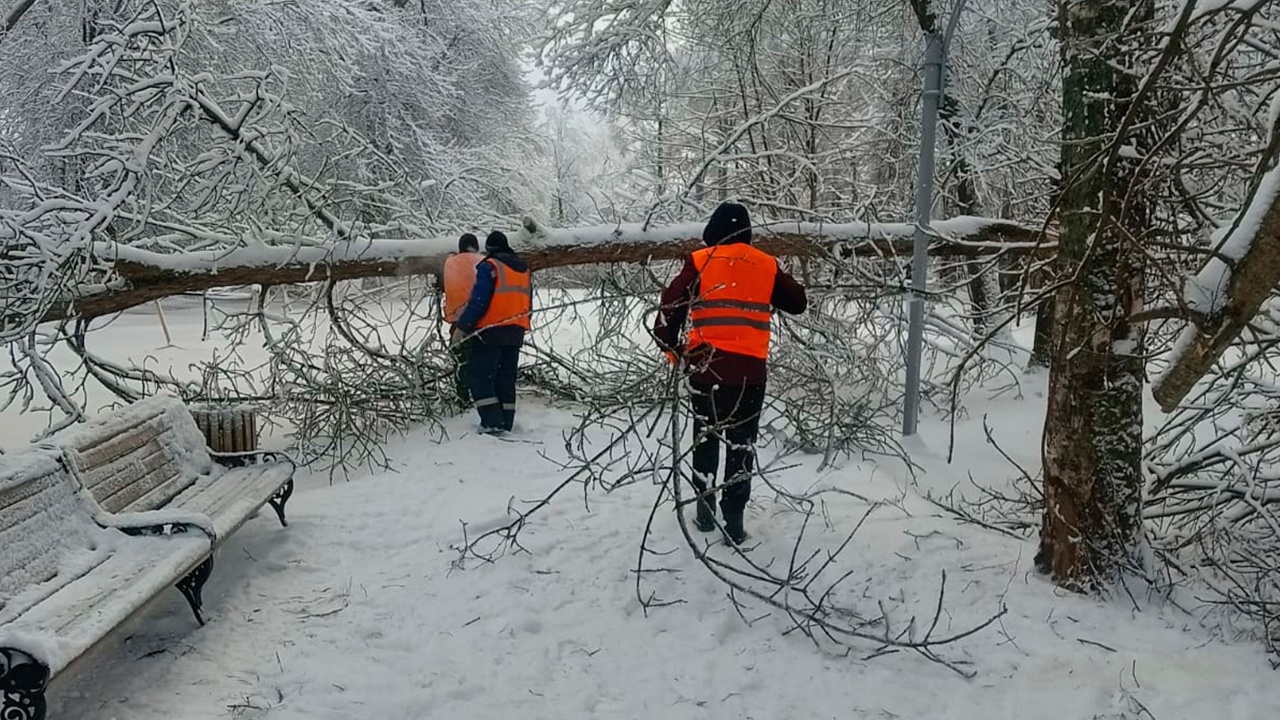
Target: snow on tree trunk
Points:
(1092, 444)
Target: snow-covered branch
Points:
(14, 15)
(1229, 290)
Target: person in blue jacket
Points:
(497, 317)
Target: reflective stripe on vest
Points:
(732, 322)
(512, 298)
(459, 278)
(733, 310)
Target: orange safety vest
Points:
(512, 298)
(733, 308)
(459, 278)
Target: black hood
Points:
(496, 242)
(497, 247)
(730, 223)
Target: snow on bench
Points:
(65, 581)
(150, 455)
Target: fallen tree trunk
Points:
(145, 276)
(1227, 296)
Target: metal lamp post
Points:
(935, 58)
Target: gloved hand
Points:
(456, 337)
(689, 358)
(696, 357)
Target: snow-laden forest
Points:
(250, 202)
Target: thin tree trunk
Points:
(1042, 344)
(1092, 445)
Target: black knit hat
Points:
(496, 242)
(730, 223)
(468, 243)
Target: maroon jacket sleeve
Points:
(674, 307)
(788, 295)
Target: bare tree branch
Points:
(12, 18)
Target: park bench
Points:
(151, 455)
(66, 581)
(97, 523)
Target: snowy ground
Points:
(356, 611)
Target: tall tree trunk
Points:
(1042, 343)
(1092, 445)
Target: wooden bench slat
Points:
(235, 497)
(39, 591)
(126, 441)
(112, 424)
(100, 459)
(160, 485)
(19, 503)
(162, 495)
(207, 497)
(122, 575)
(149, 469)
(107, 480)
(95, 600)
(15, 495)
(148, 475)
(44, 521)
(39, 568)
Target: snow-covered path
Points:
(354, 611)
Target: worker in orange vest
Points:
(726, 293)
(459, 279)
(496, 317)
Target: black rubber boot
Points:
(491, 419)
(734, 533)
(705, 520)
(705, 501)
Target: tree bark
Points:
(1252, 279)
(1042, 344)
(1092, 444)
(144, 281)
